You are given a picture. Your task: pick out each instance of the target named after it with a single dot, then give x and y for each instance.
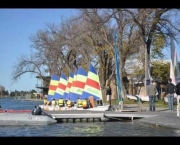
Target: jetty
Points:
(160, 117)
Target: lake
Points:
(122, 128)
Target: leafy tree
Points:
(160, 70)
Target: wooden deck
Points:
(161, 117)
(79, 115)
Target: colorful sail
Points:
(71, 94)
(92, 86)
(174, 66)
(61, 87)
(70, 80)
(53, 86)
(78, 86)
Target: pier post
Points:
(132, 118)
(178, 106)
(178, 109)
(139, 104)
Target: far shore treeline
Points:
(5, 93)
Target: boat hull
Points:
(136, 97)
(25, 119)
(16, 111)
(98, 108)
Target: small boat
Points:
(131, 97)
(143, 98)
(25, 119)
(136, 97)
(15, 111)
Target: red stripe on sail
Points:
(69, 85)
(53, 88)
(92, 83)
(79, 84)
(61, 86)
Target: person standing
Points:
(170, 90)
(159, 90)
(151, 92)
(178, 91)
(108, 94)
(53, 103)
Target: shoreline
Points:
(163, 117)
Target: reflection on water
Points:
(89, 129)
(80, 129)
(92, 129)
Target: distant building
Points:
(43, 83)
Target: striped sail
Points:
(61, 87)
(92, 86)
(70, 80)
(71, 94)
(79, 84)
(53, 86)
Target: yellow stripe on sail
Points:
(63, 81)
(93, 91)
(93, 76)
(77, 90)
(67, 88)
(70, 80)
(59, 91)
(51, 92)
(72, 87)
(54, 83)
(81, 78)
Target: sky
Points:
(16, 26)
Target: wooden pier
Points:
(94, 116)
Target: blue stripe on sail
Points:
(81, 71)
(65, 95)
(63, 76)
(73, 97)
(92, 69)
(57, 96)
(86, 95)
(49, 97)
(54, 77)
(71, 74)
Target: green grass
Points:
(159, 103)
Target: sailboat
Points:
(61, 87)
(68, 87)
(92, 89)
(83, 85)
(53, 86)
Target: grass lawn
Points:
(159, 103)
